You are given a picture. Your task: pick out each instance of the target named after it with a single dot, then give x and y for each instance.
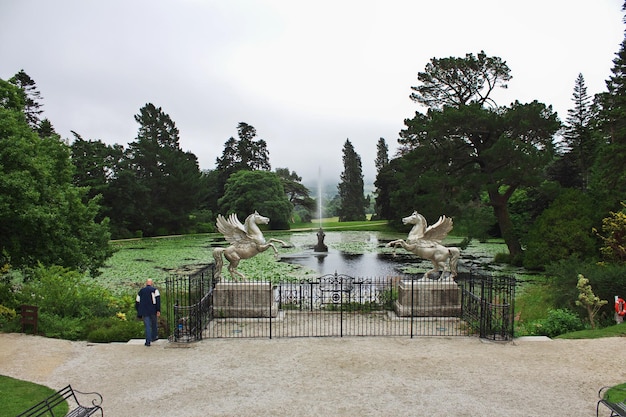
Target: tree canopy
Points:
(262, 191)
(471, 146)
(44, 218)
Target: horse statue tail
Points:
(219, 262)
(455, 254)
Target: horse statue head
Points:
(250, 224)
(419, 222)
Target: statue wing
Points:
(231, 228)
(438, 231)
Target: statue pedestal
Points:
(244, 299)
(428, 299)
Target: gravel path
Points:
(369, 376)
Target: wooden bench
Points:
(617, 407)
(49, 406)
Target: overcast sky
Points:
(306, 75)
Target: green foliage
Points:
(7, 316)
(262, 191)
(608, 280)
(616, 330)
(17, 396)
(59, 327)
(113, 329)
(353, 202)
(44, 218)
(557, 322)
(588, 300)
(563, 230)
(614, 236)
(65, 293)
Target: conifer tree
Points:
(353, 202)
(609, 173)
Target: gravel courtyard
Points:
(354, 376)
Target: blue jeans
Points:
(150, 324)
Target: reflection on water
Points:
(367, 262)
(355, 265)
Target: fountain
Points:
(320, 247)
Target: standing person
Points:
(148, 305)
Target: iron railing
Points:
(338, 305)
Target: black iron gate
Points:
(189, 300)
(338, 305)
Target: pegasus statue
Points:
(425, 242)
(246, 240)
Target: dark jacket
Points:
(148, 301)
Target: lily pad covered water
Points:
(355, 253)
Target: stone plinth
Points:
(244, 299)
(429, 299)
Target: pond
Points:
(364, 254)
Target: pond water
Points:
(364, 254)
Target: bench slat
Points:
(47, 406)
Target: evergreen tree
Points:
(353, 202)
(244, 153)
(609, 174)
(168, 180)
(466, 144)
(31, 98)
(382, 183)
(298, 195)
(578, 133)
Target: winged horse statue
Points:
(246, 240)
(425, 242)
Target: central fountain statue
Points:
(321, 246)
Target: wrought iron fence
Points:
(189, 300)
(489, 305)
(338, 305)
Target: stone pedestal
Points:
(428, 298)
(244, 299)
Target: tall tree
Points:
(456, 81)
(353, 202)
(169, 182)
(579, 138)
(31, 97)
(498, 148)
(298, 195)
(382, 184)
(244, 153)
(609, 174)
(44, 218)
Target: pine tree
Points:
(579, 138)
(353, 202)
(609, 173)
(168, 180)
(382, 183)
(31, 97)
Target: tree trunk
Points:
(501, 211)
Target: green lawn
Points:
(17, 396)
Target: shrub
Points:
(562, 230)
(113, 330)
(59, 327)
(65, 293)
(7, 316)
(559, 321)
